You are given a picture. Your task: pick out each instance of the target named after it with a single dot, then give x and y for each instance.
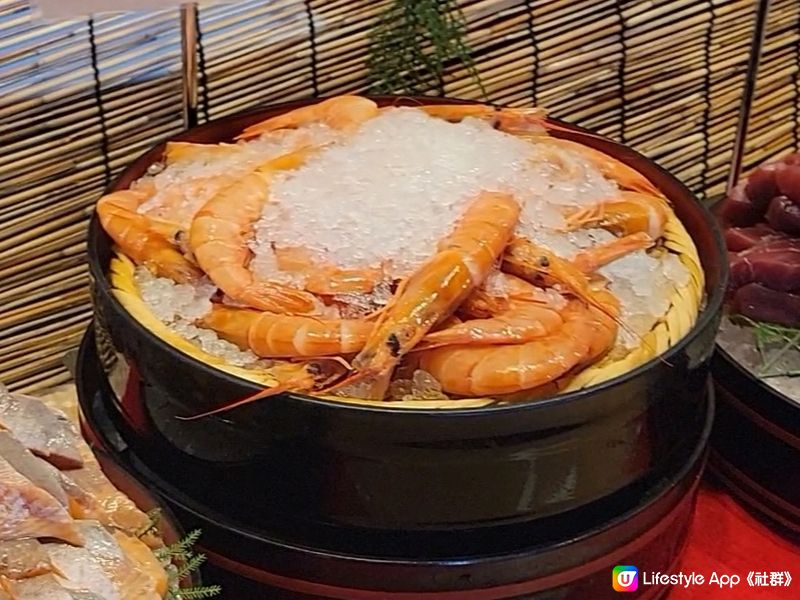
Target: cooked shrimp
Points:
(588, 261)
(345, 113)
(525, 313)
(312, 376)
(627, 177)
(630, 212)
(326, 279)
(518, 121)
(481, 370)
(145, 240)
(218, 239)
(271, 335)
(434, 291)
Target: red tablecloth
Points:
(728, 539)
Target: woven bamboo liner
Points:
(676, 323)
(664, 76)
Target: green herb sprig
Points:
(414, 42)
(774, 342)
(182, 561)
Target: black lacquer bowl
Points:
(569, 557)
(318, 463)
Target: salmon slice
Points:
(41, 473)
(92, 496)
(140, 554)
(130, 580)
(43, 587)
(45, 431)
(20, 559)
(27, 511)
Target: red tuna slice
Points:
(761, 186)
(773, 264)
(784, 215)
(787, 179)
(742, 238)
(738, 210)
(763, 304)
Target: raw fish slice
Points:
(742, 238)
(41, 473)
(763, 304)
(761, 186)
(738, 210)
(81, 595)
(784, 215)
(43, 587)
(129, 578)
(92, 496)
(777, 269)
(27, 511)
(787, 179)
(23, 558)
(791, 159)
(140, 554)
(81, 570)
(45, 431)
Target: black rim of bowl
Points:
(713, 303)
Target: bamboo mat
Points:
(79, 100)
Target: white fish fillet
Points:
(41, 473)
(20, 559)
(43, 587)
(45, 431)
(27, 511)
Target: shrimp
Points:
(345, 113)
(271, 335)
(311, 376)
(627, 177)
(588, 261)
(486, 370)
(146, 240)
(218, 240)
(630, 212)
(524, 314)
(434, 291)
(517, 121)
(326, 279)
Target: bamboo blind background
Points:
(79, 100)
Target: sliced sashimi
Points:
(784, 215)
(742, 238)
(43, 587)
(45, 431)
(81, 570)
(738, 210)
(41, 473)
(129, 579)
(92, 496)
(760, 303)
(140, 554)
(27, 511)
(20, 559)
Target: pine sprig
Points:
(179, 549)
(413, 44)
(199, 593)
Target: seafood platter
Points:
(405, 327)
(756, 367)
(66, 532)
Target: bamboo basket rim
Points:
(693, 297)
